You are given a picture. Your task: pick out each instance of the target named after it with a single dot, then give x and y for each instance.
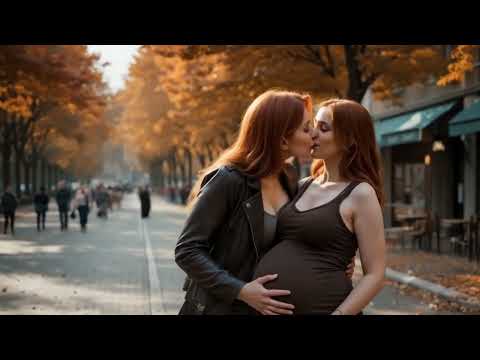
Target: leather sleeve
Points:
(210, 212)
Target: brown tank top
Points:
(320, 228)
(313, 251)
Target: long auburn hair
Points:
(355, 134)
(271, 117)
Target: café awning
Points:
(466, 122)
(408, 127)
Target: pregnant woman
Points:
(233, 219)
(335, 212)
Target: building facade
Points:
(430, 149)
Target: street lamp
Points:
(438, 146)
(428, 193)
(428, 160)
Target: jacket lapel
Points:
(253, 208)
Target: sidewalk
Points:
(453, 273)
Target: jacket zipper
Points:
(254, 245)
(253, 240)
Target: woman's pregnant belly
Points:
(316, 287)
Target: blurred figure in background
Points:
(185, 192)
(103, 201)
(63, 197)
(9, 206)
(82, 204)
(173, 195)
(40, 202)
(117, 197)
(144, 195)
(110, 198)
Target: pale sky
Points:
(119, 57)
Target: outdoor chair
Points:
(457, 239)
(393, 235)
(419, 234)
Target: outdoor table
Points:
(453, 222)
(409, 221)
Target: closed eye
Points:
(323, 126)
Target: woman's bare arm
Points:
(369, 229)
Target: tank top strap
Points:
(347, 191)
(303, 186)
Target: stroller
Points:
(102, 212)
(102, 205)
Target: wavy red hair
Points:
(355, 134)
(271, 117)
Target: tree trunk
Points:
(357, 86)
(49, 177)
(55, 174)
(161, 175)
(170, 175)
(183, 171)
(26, 166)
(189, 167)
(34, 173)
(216, 152)
(201, 160)
(173, 160)
(18, 180)
(224, 141)
(42, 173)
(210, 154)
(6, 158)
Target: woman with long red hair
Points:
(236, 202)
(336, 211)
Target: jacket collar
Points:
(287, 180)
(288, 185)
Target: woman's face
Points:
(301, 142)
(325, 146)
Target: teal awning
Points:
(466, 121)
(407, 128)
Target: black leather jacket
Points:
(218, 247)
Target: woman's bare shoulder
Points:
(364, 192)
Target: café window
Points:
(408, 190)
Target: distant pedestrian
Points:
(103, 200)
(173, 195)
(9, 206)
(93, 193)
(63, 198)
(40, 202)
(82, 204)
(144, 195)
(185, 191)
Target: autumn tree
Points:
(346, 71)
(462, 61)
(187, 101)
(36, 81)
